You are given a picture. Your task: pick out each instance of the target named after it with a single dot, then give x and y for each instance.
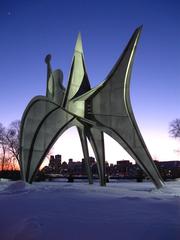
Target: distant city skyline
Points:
(113, 151)
(31, 29)
(121, 169)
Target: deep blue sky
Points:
(30, 29)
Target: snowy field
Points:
(78, 211)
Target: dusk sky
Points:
(30, 29)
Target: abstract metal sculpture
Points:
(106, 108)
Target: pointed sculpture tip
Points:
(139, 29)
(79, 35)
(78, 46)
(48, 58)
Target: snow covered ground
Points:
(78, 211)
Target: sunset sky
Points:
(30, 29)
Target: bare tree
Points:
(3, 147)
(12, 140)
(9, 146)
(174, 128)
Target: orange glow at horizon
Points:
(11, 167)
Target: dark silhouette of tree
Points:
(9, 145)
(12, 138)
(174, 128)
(3, 147)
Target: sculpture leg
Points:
(109, 106)
(46, 133)
(35, 112)
(142, 160)
(96, 139)
(84, 145)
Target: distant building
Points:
(64, 168)
(123, 167)
(169, 169)
(46, 170)
(168, 164)
(92, 166)
(92, 160)
(55, 163)
(94, 169)
(83, 167)
(77, 168)
(70, 161)
(74, 167)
